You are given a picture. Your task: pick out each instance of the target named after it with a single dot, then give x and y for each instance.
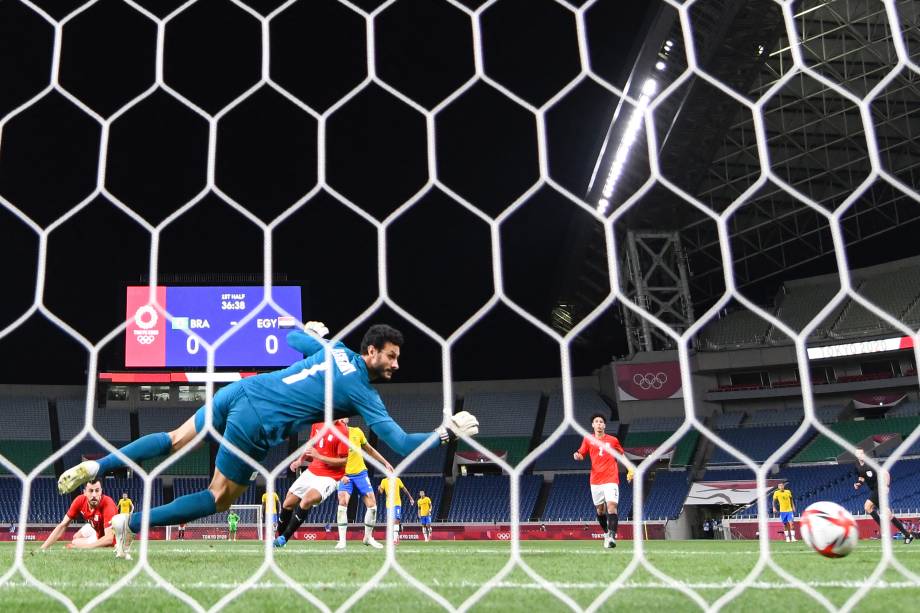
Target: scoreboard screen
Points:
(152, 340)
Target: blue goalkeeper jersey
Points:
(291, 400)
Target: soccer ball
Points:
(829, 529)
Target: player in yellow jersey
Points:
(356, 478)
(270, 505)
(125, 504)
(424, 514)
(394, 501)
(786, 510)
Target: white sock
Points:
(341, 517)
(786, 533)
(792, 533)
(396, 533)
(370, 518)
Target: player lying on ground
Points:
(605, 480)
(94, 507)
(356, 473)
(424, 514)
(260, 412)
(866, 475)
(394, 502)
(328, 454)
(786, 510)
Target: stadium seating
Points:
(559, 455)
(511, 413)
(822, 448)
(25, 439)
(667, 494)
(112, 424)
(516, 446)
(834, 482)
(414, 412)
(431, 461)
(800, 304)
(487, 498)
(724, 421)
(164, 419)
(757, 443)
(570, 499)
(26, 455)
(892, 290)
(775, 417)
(10, 500)
(735, 330)
(585, 402)
(655, 424)
(908, 408)
(25, 418)
(683, 452)
(433, 487)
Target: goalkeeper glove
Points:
(461, 423)
(316, 328)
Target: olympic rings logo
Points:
(503, 536)
(309, 536)
(650, 380)
(145, 339)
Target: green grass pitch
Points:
(208, 570)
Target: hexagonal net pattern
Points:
(209, 107)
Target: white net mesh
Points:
(645, 100)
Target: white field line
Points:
(510, 585)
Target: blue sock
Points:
(179, 511)
(144, 448)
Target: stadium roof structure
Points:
(707, 145)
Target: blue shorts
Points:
(786, 517)
(360, 481)
(425, 520)
(236, 419)
(397, 513)
(274, 518)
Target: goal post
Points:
(251, 525)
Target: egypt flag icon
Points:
(286, 321)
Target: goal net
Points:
(807, 136)
(216, 527)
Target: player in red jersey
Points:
(329, 454)
(605, 480)
(98, 510)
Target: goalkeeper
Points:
(262, 411)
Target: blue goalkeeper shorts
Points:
(425, 520)
(786, 517)
(235, 418)
(359, 481)
(397, 512)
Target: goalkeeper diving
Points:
(259, 412)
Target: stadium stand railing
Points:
(683, 451)
(516, 446)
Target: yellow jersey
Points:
(271, 504)
(355, 463)
(393, 495)
(424, 506)
(785, 500)
(124, 505)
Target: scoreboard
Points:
(153, 341)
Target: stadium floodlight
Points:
(626, 142)
(660, 65)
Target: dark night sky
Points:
(439, 256)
